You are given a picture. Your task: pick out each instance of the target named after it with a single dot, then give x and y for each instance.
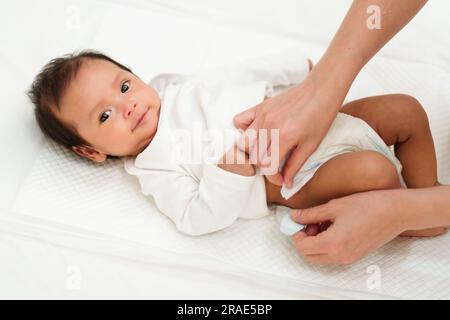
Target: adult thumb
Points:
(314, 215)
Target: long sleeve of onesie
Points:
(208, 205)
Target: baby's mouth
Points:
(141, 118)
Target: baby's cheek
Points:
(153, 96)
(120, 138)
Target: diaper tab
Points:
(287, 226)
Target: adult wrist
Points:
(422, 208)
(404, 209)
(334, 75)
(425, 208)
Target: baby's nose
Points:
(129, 109)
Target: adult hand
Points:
(236, 161)
(360, 223)
(302, 114)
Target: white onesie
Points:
(178, 168)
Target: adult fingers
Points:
(273, 159)
(307, 245)
(244, 119)
(318, 259)
(300, 235)
(264, 154)
(248, 140)
(313, 215)
(269, 164)
(294, 162)
(276, 179)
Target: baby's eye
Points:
(125, 86)
(105, 115)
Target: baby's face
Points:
(104, 103)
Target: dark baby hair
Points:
(48, 88)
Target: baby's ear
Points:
(89, 153)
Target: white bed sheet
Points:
(51, 221)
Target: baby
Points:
(177, 136)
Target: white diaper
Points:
(347, 134)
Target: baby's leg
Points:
(342, 175)
(401, 121)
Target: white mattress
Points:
(59, 211)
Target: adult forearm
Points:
(362, 33)
(367, 27)
(423, 208)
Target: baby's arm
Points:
(207, 205)
(211, 203)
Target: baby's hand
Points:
(236, 161)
